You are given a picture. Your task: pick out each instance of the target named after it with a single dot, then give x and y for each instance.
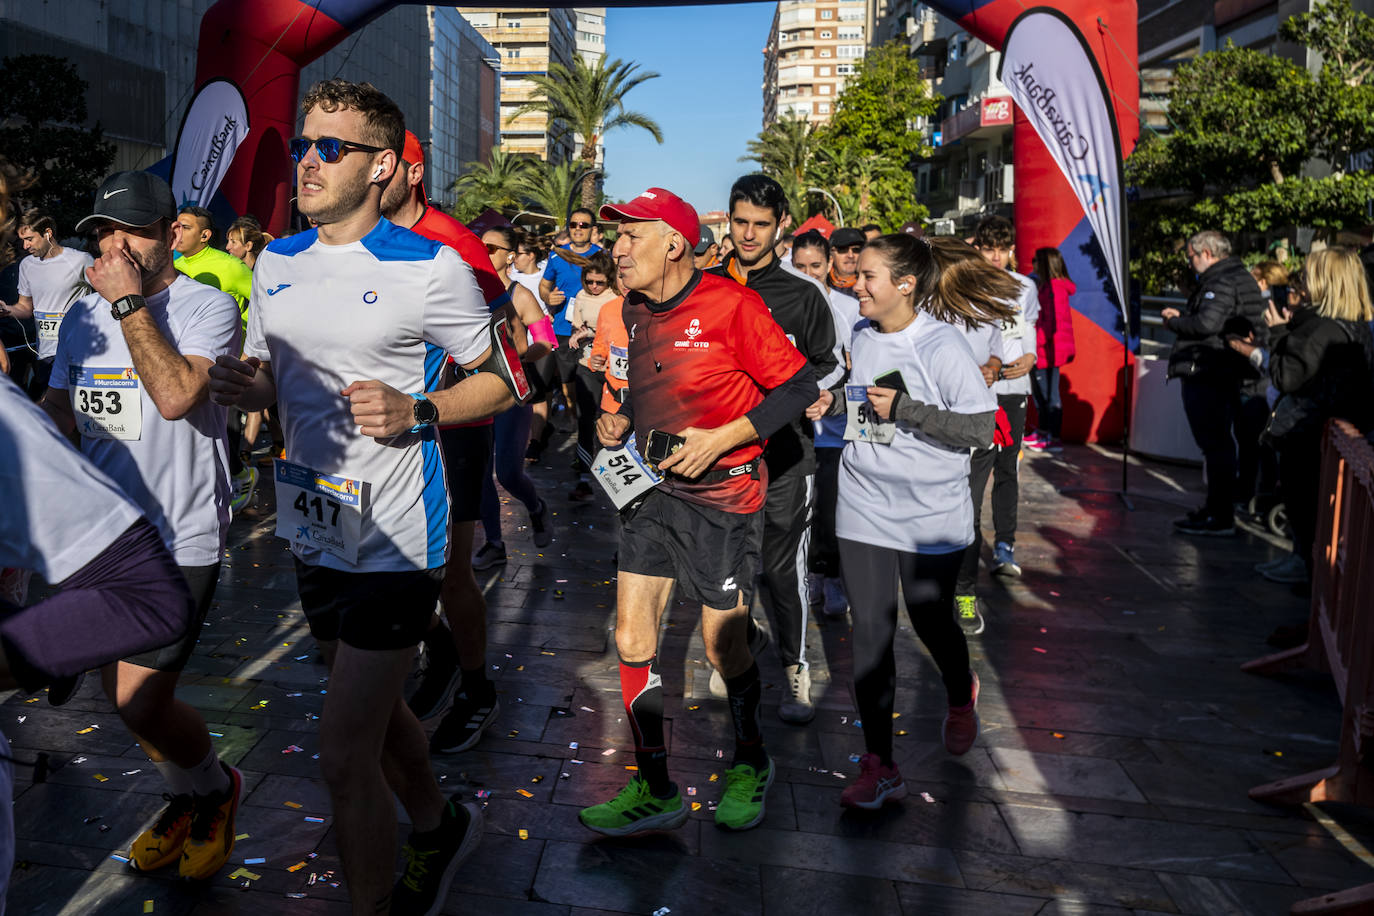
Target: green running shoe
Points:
(635, 809)
(741, 807)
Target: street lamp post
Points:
(838, 212)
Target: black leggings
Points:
(871, 575)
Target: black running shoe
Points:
(462, 728)
(436, 688)
(432, 859)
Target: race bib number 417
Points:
(106, 402)
(319, 511)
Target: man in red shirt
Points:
(457, 651)
(708, 364)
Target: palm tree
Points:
(788, 146)
(498, 184)
(548, 188)
(853, 174)
(589, 101)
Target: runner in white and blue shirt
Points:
(387, 307)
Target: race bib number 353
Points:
(319, 511)
(106, 402)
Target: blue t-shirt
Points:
(568, 278)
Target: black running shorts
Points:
(372, 611)
(202, 581)
(713, 555)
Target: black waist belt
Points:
(749, 469)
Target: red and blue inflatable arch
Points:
(261, 46)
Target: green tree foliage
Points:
(589, 101)
(499, 184)
(42, 108)
(1246, 127)
(863, 157)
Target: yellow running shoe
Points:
(160, 844)
(211, 837)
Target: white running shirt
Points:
(60, 512)
(52, 285)
(386, 307)
(1018, 335)
(912, 495)
(176, 471)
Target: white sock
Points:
(178, 780)
(208, 777)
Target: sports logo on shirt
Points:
(729, 585)
(370, 296)
(278, 288)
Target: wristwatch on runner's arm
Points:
(426, 414)
(125, 306)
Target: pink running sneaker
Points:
(961, 723)
(875, 785)
(1036, 441)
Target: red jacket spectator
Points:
(1054, 329)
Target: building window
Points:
(825, 88)
(825, 33)
(824, 71)
(512, 52)
(844, 69)
(827, 14)
(851, 34)
(511, 24)
(851, 51)
(825, 52)
(823, 108)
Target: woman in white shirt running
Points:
(917, 403)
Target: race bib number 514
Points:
(319, 511)
(624, 474)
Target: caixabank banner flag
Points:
(216, 123)
(1052, 77)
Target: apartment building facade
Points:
(812, 48)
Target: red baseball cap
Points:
(413, 152)
(657, 203)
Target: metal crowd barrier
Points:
(1340, 641)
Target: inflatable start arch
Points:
(261, 46)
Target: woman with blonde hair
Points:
(917, 403)
(1321, 365)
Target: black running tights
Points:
(871, 577)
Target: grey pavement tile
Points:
(1315, 861)
(952, 824)
(1043, 832)
(501, 867)
(50, 890)
(797, 890)
(831, 854)
(643, 876)
(483, 905)
(1198, 895)
(1064, 775)
(933, 900)
(1065, 880)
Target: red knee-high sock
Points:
(643, 693)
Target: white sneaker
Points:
(717, 685)
(836, 601)
(244, 482)
(757, 644)
(797, 707)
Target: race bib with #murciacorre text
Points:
(318, 510)
(106, 401)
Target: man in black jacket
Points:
(1218, 384)
(758, 209)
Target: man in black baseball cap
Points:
(845, 245)
(135, 199)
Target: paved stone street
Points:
(1119, 739)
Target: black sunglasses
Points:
(331, 148)
(579, 225)
(850, 249)
(492, 249)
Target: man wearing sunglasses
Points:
(349, 330)
(845, 245)
(560, 286)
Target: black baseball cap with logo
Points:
(134, 199)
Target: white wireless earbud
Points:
(377, 173)
(903, 287)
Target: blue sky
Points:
(707, 99)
